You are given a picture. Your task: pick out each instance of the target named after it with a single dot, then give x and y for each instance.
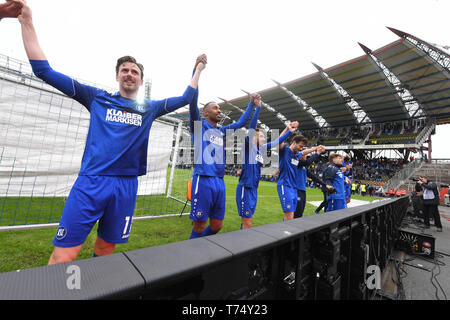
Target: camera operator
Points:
(430, 202)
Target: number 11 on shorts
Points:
(126, 234)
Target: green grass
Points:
(25, 249)
(38, 210)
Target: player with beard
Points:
(252, 156)
(208, 187)
(287, 185)
(115, 152)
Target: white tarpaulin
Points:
(42, 139)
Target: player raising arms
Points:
(10, 9)
(333, 176)
(303, 174)
(208, 186)
(115, 153)
(287, 184)
(247, 188)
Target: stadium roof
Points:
(405, 79)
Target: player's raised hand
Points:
(293, 126)
(201, 62)
(256, 99)
(25, 15)
(10, 9)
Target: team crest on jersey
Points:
(294, 162)
(61, 233)
(140, 107)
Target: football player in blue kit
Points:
(115, 152)
(334, 177)
(253, 149)
(303, 174)
(347, 169)
(208, 187)
(287, 185)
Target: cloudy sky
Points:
(248, 43)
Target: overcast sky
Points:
(248, 43)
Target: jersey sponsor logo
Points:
(259, 158)
(61, 233)
(294, 162)
(113, 115)
(216, 140)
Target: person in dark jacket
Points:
(430, 202)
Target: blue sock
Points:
(95, 255)
(208, 232)
(241, 226)
(195, 235)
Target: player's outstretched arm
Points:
(291, 127)
(245, 116)
(41, 68)
(174, 103)
(308, 151)
(287, 132)
(256, 98)
(313, 158)
(29, 36)
(194, 113)
(315, 178)
(10, 9)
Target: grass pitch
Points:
(25, 249)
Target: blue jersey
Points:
(209, 146)
(301, 180)
(334, 176)
(119, 128)
(288, 167)
(252, 159)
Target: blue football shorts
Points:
(246, 199)
(207, 198)
(288, 198)
(110, 200)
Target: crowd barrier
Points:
(324, 256)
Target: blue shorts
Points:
(246, 199)
(336, 204)
(110, 200)
(207, 198)
(288, 198)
